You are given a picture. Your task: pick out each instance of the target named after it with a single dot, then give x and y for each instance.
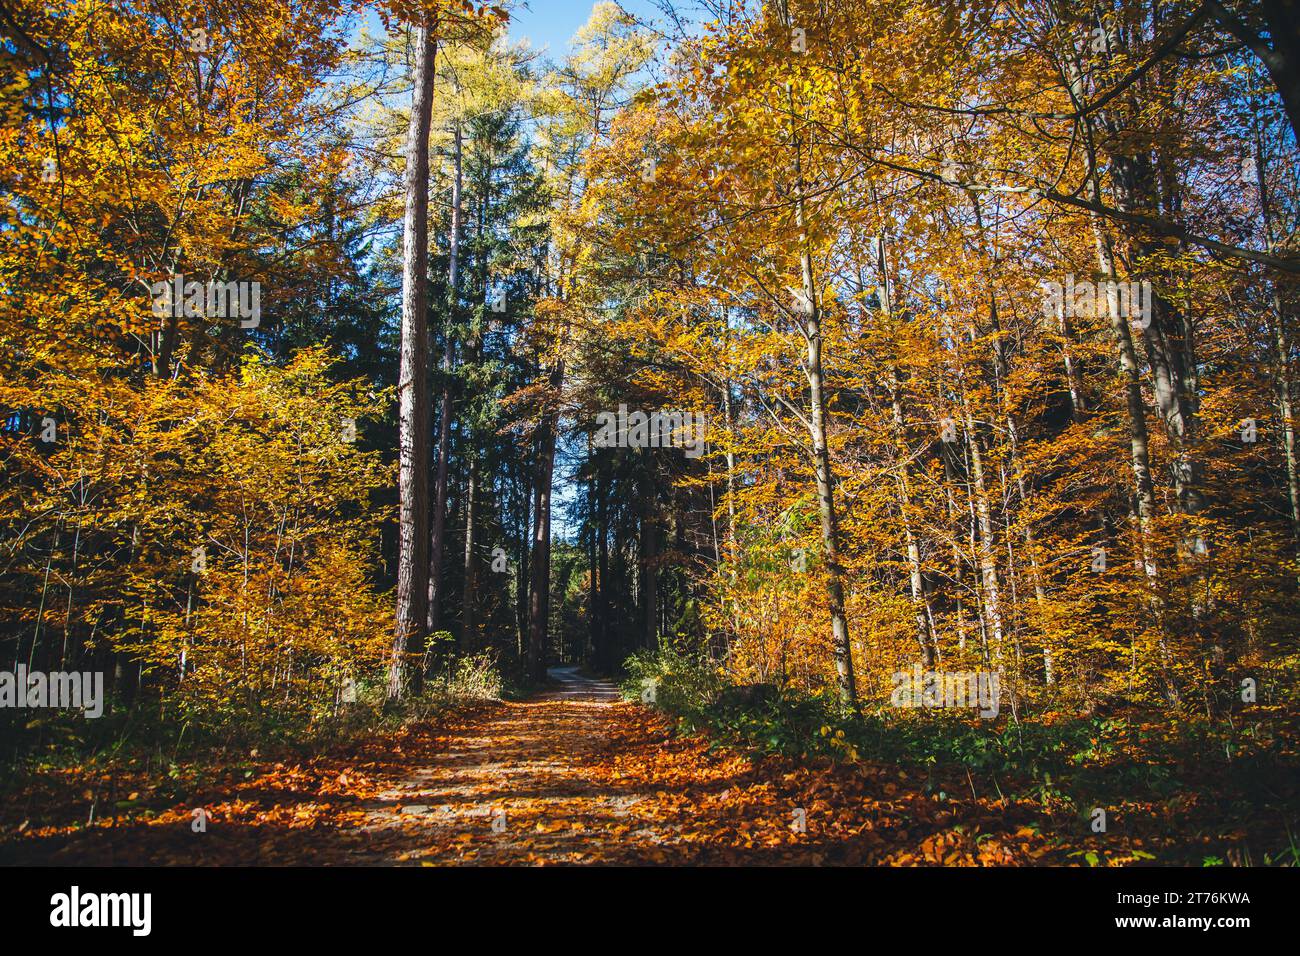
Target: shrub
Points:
(464, 679)
(683, 684)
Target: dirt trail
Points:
(520, 786)
(572, 776)
(578, 775)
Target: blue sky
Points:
(552, 23)
(547, 24)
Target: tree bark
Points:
(469, 596)
(522, 564)
(438, 531)
(539, 586)
(412, 384)
(1139, 453)
(650, 580)
(1282, 383)
(599, 557)
(1281, 56)
(842, 649)
(1163, 335)
(1286, 410)
(987, 553)
(922, 613)
(818, 426)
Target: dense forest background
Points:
(988, 310)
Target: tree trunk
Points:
(540, 586)
(1281, 57)
(599, 550)
(1002, 374)
(987, 553)
(522, 565)
(921, 612)
(470, 594)
(1139, 454)
(1282, 383)
(438, 532)
(650, 581)
(1286, 411)
(412, 383)
(841, 645)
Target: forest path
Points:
(573, 775)
(574, 685)
(522, 786)
(577, 775)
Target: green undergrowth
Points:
(1241, 769)
(165, 733)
